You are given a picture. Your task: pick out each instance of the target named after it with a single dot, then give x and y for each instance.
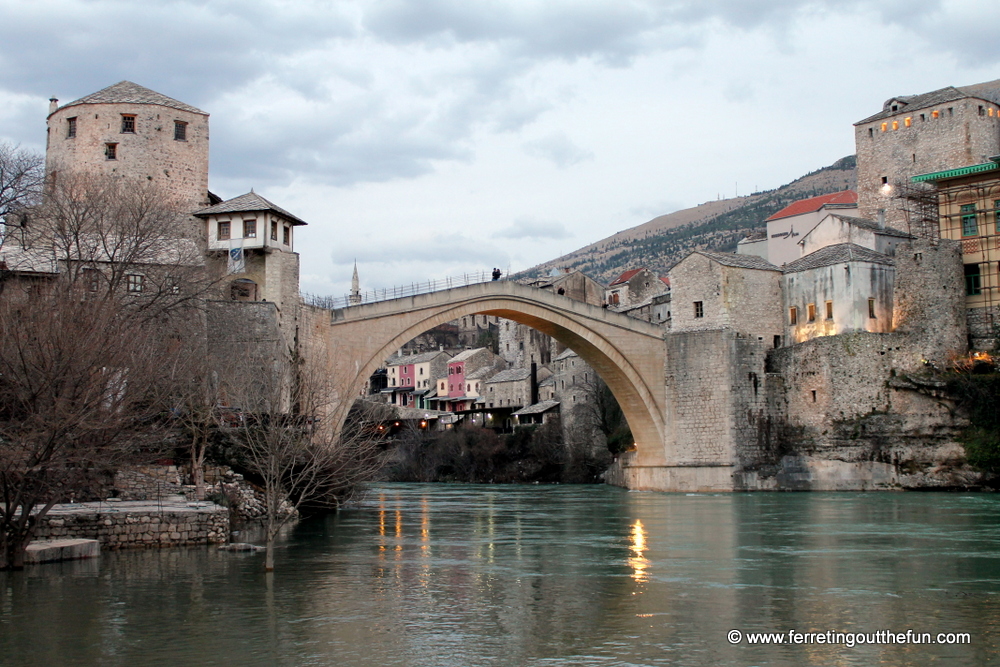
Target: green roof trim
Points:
(955, 173)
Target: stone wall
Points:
(147, 482)
(117, 526)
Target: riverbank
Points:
(169, 522)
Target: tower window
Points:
(699, 309)
(274, 231)
(287, 235)
(180, 130)
(793, 316)
(871, 308)
(224, 233)
(249, 229)
(135, 282)
(829, 310)
(811, 312)
(71, 127)
(128, 124)
(111, 151)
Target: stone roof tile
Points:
(837, 254)
(739, 261)
(251, 201)
(126, 92)
(510, 375)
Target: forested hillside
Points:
(665, 240)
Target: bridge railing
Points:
(373, 296)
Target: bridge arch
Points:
(628, 354)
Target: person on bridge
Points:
(496, 274)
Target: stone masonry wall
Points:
(139, 529)
(147, 482)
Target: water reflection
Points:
(537, 576)
(637, 561)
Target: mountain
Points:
(715, 225)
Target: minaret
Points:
(355, 297)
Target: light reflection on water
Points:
(441, 575)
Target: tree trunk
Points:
(271, 531)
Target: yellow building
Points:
(968, 202)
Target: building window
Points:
(793, 316)
(111, 151)
(71, 127)
(811, 312)
(973, 280)
(699, 309)
(274, 231)
(871, 308)
(249, 229)
(92, 279)
(224, 231)
(180, 130)
(134, 282)
(829, 310)
(969, 226)
(287, 236)
(996, 216)
(128, 124)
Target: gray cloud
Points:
(525, 228)
(559, 149)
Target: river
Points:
(455, 575)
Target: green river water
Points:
(454, 575)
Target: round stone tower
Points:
(134, 132)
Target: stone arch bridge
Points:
(630, 355)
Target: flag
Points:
(236, 262)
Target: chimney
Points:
(881, 218)
(53, 104)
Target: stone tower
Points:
(130, 131)
(918, 134)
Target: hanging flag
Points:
(237, 264)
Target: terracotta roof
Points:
(845, 197)
(126, 92)
(837, 254)
(625, 277)
(739, 261)
(251, 201)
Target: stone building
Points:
(412, 380)
(968, 211)
(919, 134)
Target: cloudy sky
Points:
(429, 138)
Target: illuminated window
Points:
(128, 124)
(249, 229)
(969, 226)
(935, 114)
(811, 312)
(71, 127)
(885, 126)
(871, 308)
(829, 310)
(224, 231)
(907, 121)
(793, 316)
(699, 309)
(895, 124)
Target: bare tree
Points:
(89, 324)
(21, 175)
(600, 411)
(287, 435)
